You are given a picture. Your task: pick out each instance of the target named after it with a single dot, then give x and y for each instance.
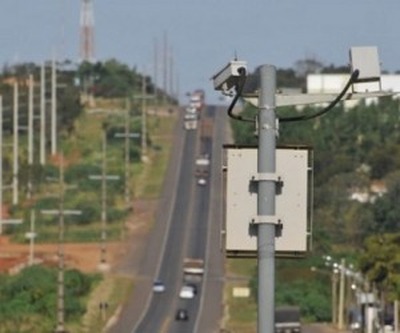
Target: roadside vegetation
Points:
(29, 298)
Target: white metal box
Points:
(292, 205)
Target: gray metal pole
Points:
(266, 201)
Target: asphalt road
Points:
(188, 224)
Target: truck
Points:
(287, 319)
(193, 269)
(196, 99)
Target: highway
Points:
(185, 228)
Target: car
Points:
(182, 314)
(187, 292)
(194, 286)
(190, 116)
(158, 286)
(191, 109)
(201, 181)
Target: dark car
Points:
(182, 314)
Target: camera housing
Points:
(228, 77)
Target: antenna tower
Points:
(87, 31)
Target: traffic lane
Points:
(170, 270)
(211, 307)
(143, 259)
(196, 249)
(197, 243)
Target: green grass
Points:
(241, 313)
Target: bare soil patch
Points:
(82, 256)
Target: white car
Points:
(201, 181)
(158, 287)
(187, 292)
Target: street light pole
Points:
(334, 298)
(341, 294)
(266, 201)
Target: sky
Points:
(203, 36)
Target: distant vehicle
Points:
(190, 124)
(187, 292)
(194, 286)
(197, 98)
(158, 286)
(193, 266)
(203, 160)
(287, 319)
(202, 169)
(182, 314)
(191, 109)
(190, 116)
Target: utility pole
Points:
(341, 293)
(53, 107)
(15, 144)
(103, 256)
(31, 234)
(127, 153)
(155, 72)
(3, 221)
(61, 212)
(165, 68)
(127, 136)
(266, 219)
(334, 298)
(30, 120)
(103, 264)
(61, 264)
(144, 119)
(43, 115)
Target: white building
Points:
(334, 83)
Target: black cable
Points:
(239, 89)
(353, 79)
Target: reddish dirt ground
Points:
(83, 256)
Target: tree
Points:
(380, 262)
